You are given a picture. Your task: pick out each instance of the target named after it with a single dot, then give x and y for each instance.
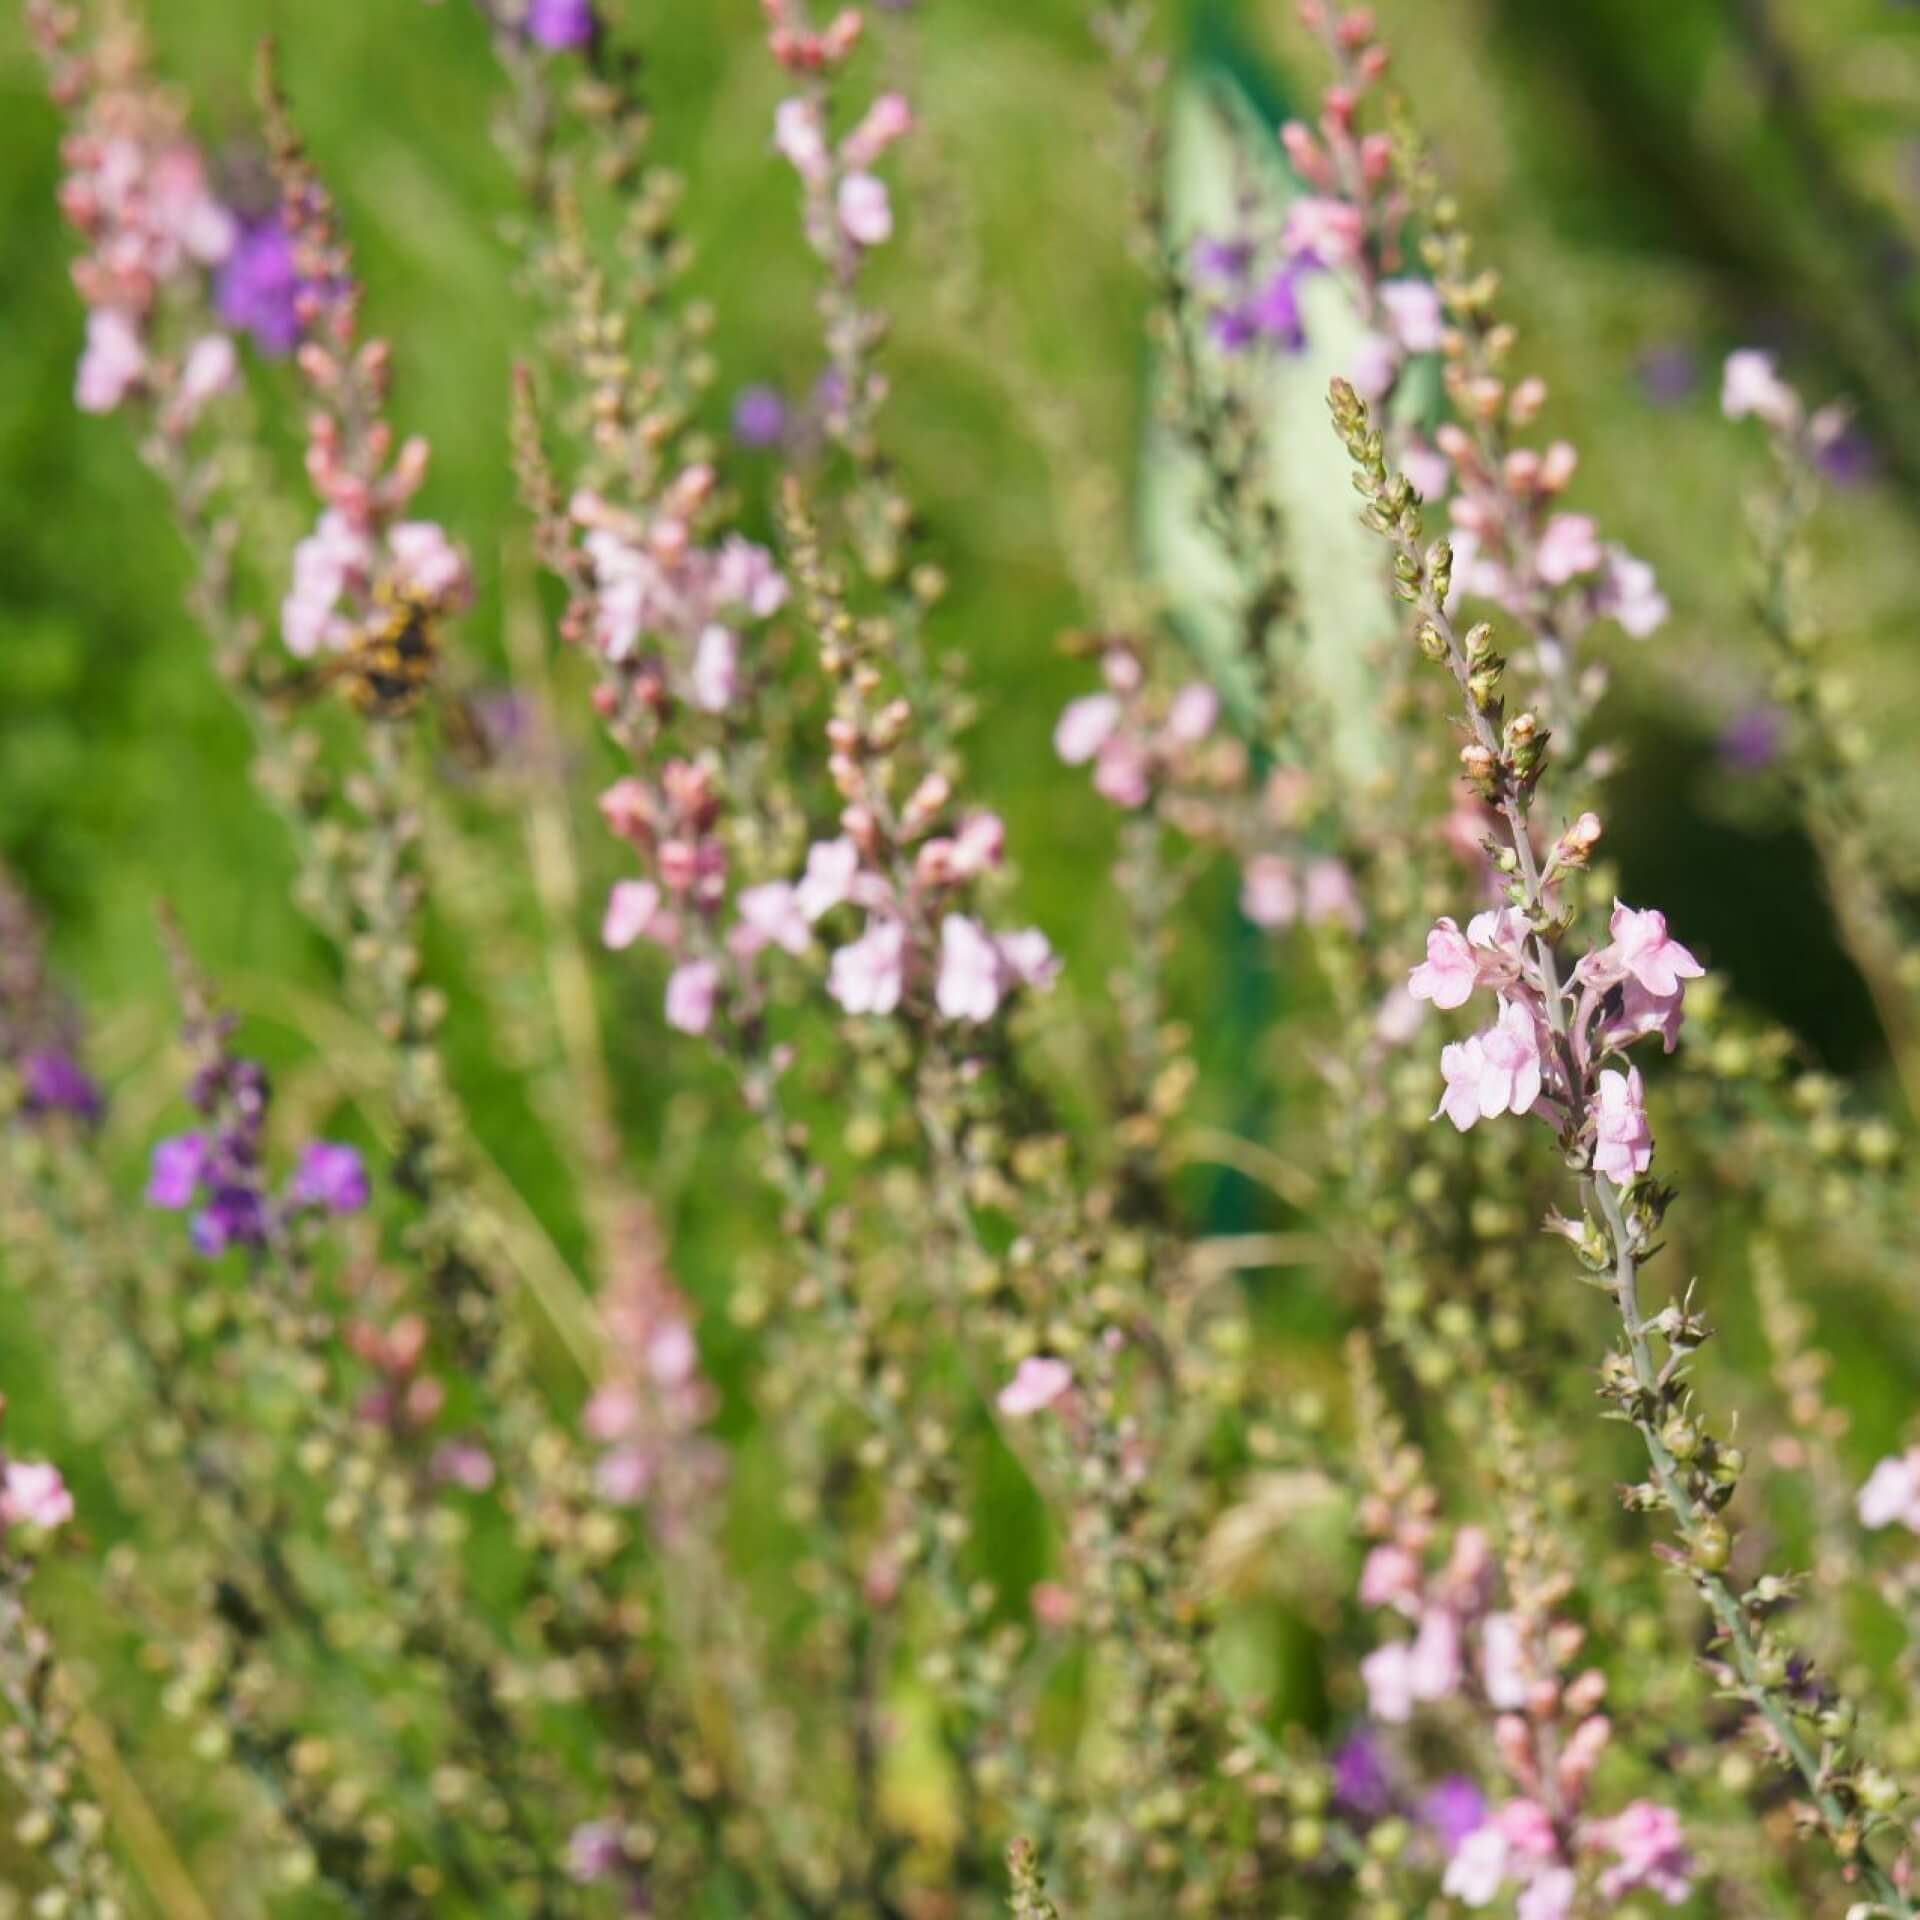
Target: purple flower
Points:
(178, 1165)
(1232, 327)
(1453, 1809)
(234, 1217)
(331, 1176)
(1849, 458)
(1276, 309)
(561, 26)
(1751, 741)
(55, 1083)
(759, 416)
(1669, 374)
(1360, 1781)
(259, 286)
(1222, 259)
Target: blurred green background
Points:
(1661, 180)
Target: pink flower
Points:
(692, 989)
(633, 913)
(1122, 771)
(715, 676)
(1892, 1492)
(979, 846)
(1433, 1663)
(1653, 1853)
(1478, 1868)
(1331, 895)
(1386, 1673)
(1390, 1578)
(1631, 594)
(1415, 315)
(744, 576)
(1623, 1141)
(1192, 715)
(211, 367)
(1429, 469)
(1751, 386)
(969, 984)
(1642, 1013)
(884, 122)
(34, 1495)
(1269, 894)
(770, 916)
(1404, 1672)
(1328, 229)
(866, 976)
(335, 555)
(1569, 547)
(114, 363)
(1083, 727)
(1038, 1383)
(799, 137)
(1643, 950)
(427, 563)
(1548, 1897)
(1463, 1064)
(1510, 1080)
(1451, 970)
(1503, 1667)
(832, 866)
(1372, 366)
(866, 213)
(1528, 1827)
(1497, 1071)
(1028, 957)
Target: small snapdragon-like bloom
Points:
(770, 915)
(1360, 1782)
(759, 417)
(1453, 1809)
(258, 288)
(633, 913)
(1892, 1492)
(1652, 1850)
(1039, 1382)
(54, 1082)
(1568, 548)
(176, 1171)
(1084, 727)
(832, 867)
(1641, 950)
(1478, 1868)
(34, 1494)
(867, 975)
(1503, 1667)
(331, 1176)
(1415, 314)
(693, 988)
(1451, 970)
(968, 987)
(1623, 1140)
(1330, 230)
(113, 364)
(561, 26)
(1496, 1071)
(1270, 891)
(865, 209)
(1404, 1673)
(1630, 593)
(1751, 386)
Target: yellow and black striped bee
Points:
(389, 664)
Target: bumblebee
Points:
(389, 664)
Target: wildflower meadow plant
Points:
(1003, 1521)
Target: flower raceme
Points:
(1632, 987)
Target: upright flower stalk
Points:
(1547, 1056)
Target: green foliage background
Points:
(1648, 172)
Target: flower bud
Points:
(1712, 1547)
